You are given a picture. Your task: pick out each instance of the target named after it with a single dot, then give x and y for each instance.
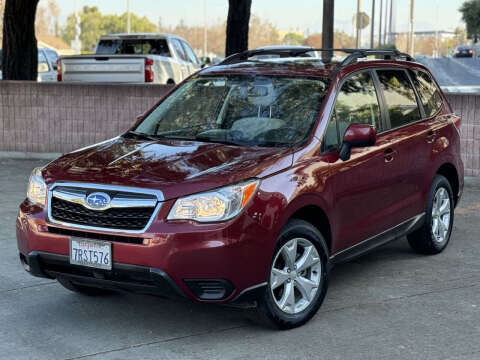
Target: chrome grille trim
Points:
(117, 202)
(76, 194)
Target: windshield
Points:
(242, 110)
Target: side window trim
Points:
(437, 87)
(338, 90)
(382, 102)
(417, 96)
(385, 106)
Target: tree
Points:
(93, 25)
(237, 26)
(262, 33)
(293, 38)
(471, 16)
(20, 52)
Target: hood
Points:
(175, 167)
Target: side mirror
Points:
(357, 135)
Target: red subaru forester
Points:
(250, 180)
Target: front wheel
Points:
(433, 237)
(298, 278)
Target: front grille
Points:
(96, 236)
(114, 218)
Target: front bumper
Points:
(138, 279)
(175, 260)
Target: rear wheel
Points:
(82, 289)
(434, 235)
(298, 277)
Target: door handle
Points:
(430, 136)
(389, 155)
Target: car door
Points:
(406, 146)
(183, 71)
(358, 183)
(193, 63)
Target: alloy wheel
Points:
(295, 276)
(440, 216)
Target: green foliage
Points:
(471, 16)
(93, 25)
(292, 38)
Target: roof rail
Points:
(353, 54)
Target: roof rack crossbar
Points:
(353, 55)
(291, 52)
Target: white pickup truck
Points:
(132, 58)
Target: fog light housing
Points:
(210, 289)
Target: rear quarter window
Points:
(400, 97)
(428, 92)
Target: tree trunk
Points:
(237, 26)
(20, 53)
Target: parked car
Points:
(249, 182)
(47, 65)
(463, 52)
(133, 58)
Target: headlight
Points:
(37, 190)
(218, 205)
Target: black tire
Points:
(82, 289)
(267, 310)
(422, 240)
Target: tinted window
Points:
(400, 97)
(190, 53)
(133, 47)
(428, 91)
(357, 103)
(179, 49)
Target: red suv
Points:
(250, 180)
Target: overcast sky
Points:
(285, 14)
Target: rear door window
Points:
(400, 97)
(428, 92)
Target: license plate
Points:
(91, 253)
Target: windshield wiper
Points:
(221, 141)
(146, 136)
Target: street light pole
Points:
(205, 29)
(411, 35)
(359, 31)
(129, 24)
(372, 31)
(380, 26)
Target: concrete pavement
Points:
(390, 304)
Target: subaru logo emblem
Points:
(98, 201)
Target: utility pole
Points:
(129, 24)
(390, 24)
(411, 35)
(205, 29)
(327, 30)
(359, 31)
(372, 31)
(380, 26)
(385, 30)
